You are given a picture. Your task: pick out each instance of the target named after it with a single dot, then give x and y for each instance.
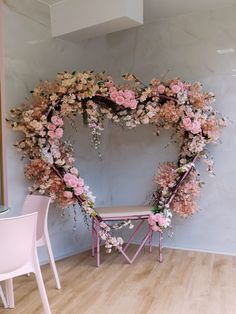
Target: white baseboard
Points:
(65, 255)
(81, 250)
(199, 250)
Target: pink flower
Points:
(59, 132)
(181, 85)
(133, 104)
(103, 224)
(161, 89)
(112, 89)
(121, 93)
(156, 228)
(175, 89)
(196, 127)
(127, 103)
(68, 194)
(67, 177)
(129, 94)
(51, 127)
(114, 95)
(74, 171)
(51, 134)
(72, 182)
(80, 182)
(152, 220)
(108, 84)
(120, 100)
(160, 219)
(187, 123)
(78, 190)
(57, 121)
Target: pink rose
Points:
(113, 95)
(72, 182)
(68, 194)
(161, 220)
(78, 190)
(129, 94)
(127, 103)
(57, 121)
(133, 104)
(51, 134)
(151, 220)
(196, 127)
(187, 123)
(175, 88)
(59, 132)
(51, 127)
(80, 182)
(120, 100)
(121, 93)
(161, 89)
(67, 177)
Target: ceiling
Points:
(154, 9)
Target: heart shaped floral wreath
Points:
(169, 104)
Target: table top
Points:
(124, 211)
(3, 209)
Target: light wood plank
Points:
(186, 283)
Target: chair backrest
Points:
(39, 204)
(17, 241)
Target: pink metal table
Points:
(139, 213)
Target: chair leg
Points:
(52, 262)
(41, 287)
(3, 298)
(10, 293)
(160, 247)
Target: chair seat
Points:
(123, 211)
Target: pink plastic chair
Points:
(19, 254)
(40, 204)
(3, 298)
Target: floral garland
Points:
(171, 104)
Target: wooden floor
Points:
(186, 283)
